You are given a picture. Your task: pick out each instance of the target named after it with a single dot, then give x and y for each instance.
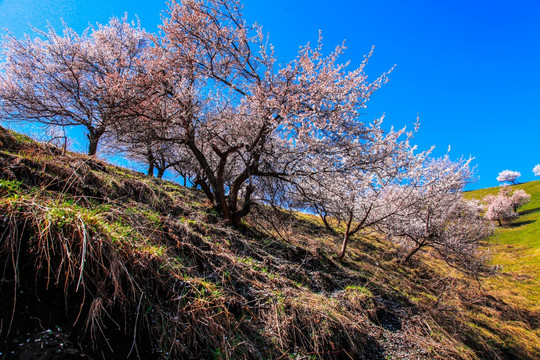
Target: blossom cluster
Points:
(508, 176)
(503, 207)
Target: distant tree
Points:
(156, 155)
(50, 134)
(447, 223)
(70, 79)
(519, 198)
(145, 144)
(508, 176)
(536, 170)
(502, 207)
(57, 135)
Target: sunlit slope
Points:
(516, 249)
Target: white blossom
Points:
(508, 176)
(437, 216)
(503, 207)
(70, 79)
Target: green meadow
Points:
(516, 249)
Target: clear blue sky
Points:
(469, 69)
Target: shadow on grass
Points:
(520, 223)
(529, 211)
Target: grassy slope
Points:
(114, 259)
(516, 249)
(518, 245)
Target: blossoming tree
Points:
(519, 198)
(243, 118)
(503, 207)
(437, 216)
(367, 192)
(508, 176)
(70, 79)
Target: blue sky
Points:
(469, 69)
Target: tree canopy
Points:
(208, 98)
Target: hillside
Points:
(516, 249)
(100, 262)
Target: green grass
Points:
(516, 249)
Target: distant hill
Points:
(100, 262)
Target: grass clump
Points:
(9, 188)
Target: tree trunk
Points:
(205, 188)
(64, 147)
(500, 222)
(93, 144)
(413, 251)
(214, 189)
(236, 217)
(326, 224)
(93, 139)
(344, 245)
(160, 173)
(346, 237)
(150, 159)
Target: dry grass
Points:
(136, 267)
